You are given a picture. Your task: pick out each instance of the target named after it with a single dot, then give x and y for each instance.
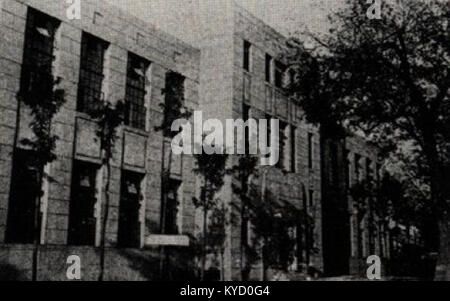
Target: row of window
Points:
(85, 187)
(38, 61)
(274, 69)
(37, 71)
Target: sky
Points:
(286, 16)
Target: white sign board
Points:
(167, 240)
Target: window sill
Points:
(167, 240)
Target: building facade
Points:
(107, 55)
(241, 77)
(235, 72)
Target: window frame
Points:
(136, 93)
(91, 94)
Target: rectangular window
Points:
(172, 207)
(38, 54)
(269, 130)
(246, 117)
(269, 65)
(82, 221)
(311, 198)
(348, 179)
(22, 199)
(136, 110)
(282, 144)
(369, 171)
(293, 150)
(310, 150)
(247, 55)
(357, 167)
(334, 172)
(130, 196)
(173, 100)
(90, 95)
(280, 70)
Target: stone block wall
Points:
(136, 150)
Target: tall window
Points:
(357, 167)
(282, 143)
(246, 117)
(171, 218)
(293, 149)
(130, 195)
(90, 94)
(311, 198)
(334, 174)
(135, 92)
(22, 199)
(369, 171)
(310, 150)
(173, 100)
(82, 221)
(247, 55)
(38, 52)
(348, 179)
(269, 64)
(280, 70)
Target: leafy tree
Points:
(388, 78)
(272, 226)
(212, 170)
(216, 237)
(245, 171)
(109, 118)
(45, 100)
(174, 108)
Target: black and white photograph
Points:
(216, 141)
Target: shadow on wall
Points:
(10, 273)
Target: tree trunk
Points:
(443, 262)
(205, 215)
(165, 175)
(37, 230)
(439, 204)
(105, 223)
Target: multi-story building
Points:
(241, 77)
(106, 55)
(237, 73)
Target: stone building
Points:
(353, 228)
(107, 55)
(241, 77)
(236, 73)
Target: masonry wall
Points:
(264, 98)
(358, 146)
(136, 150)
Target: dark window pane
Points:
(23, 198)
(280, 69)
(130, 195)
(135, 113)
(83, 199)
(38, 53)
(268, 68)
(247, 49)
(293, 150)
(91, 73)
(310, 150)
(171, 214)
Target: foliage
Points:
(212, 171)
(387, 78)
(45, 102)
(174, 104)
(109, 118)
